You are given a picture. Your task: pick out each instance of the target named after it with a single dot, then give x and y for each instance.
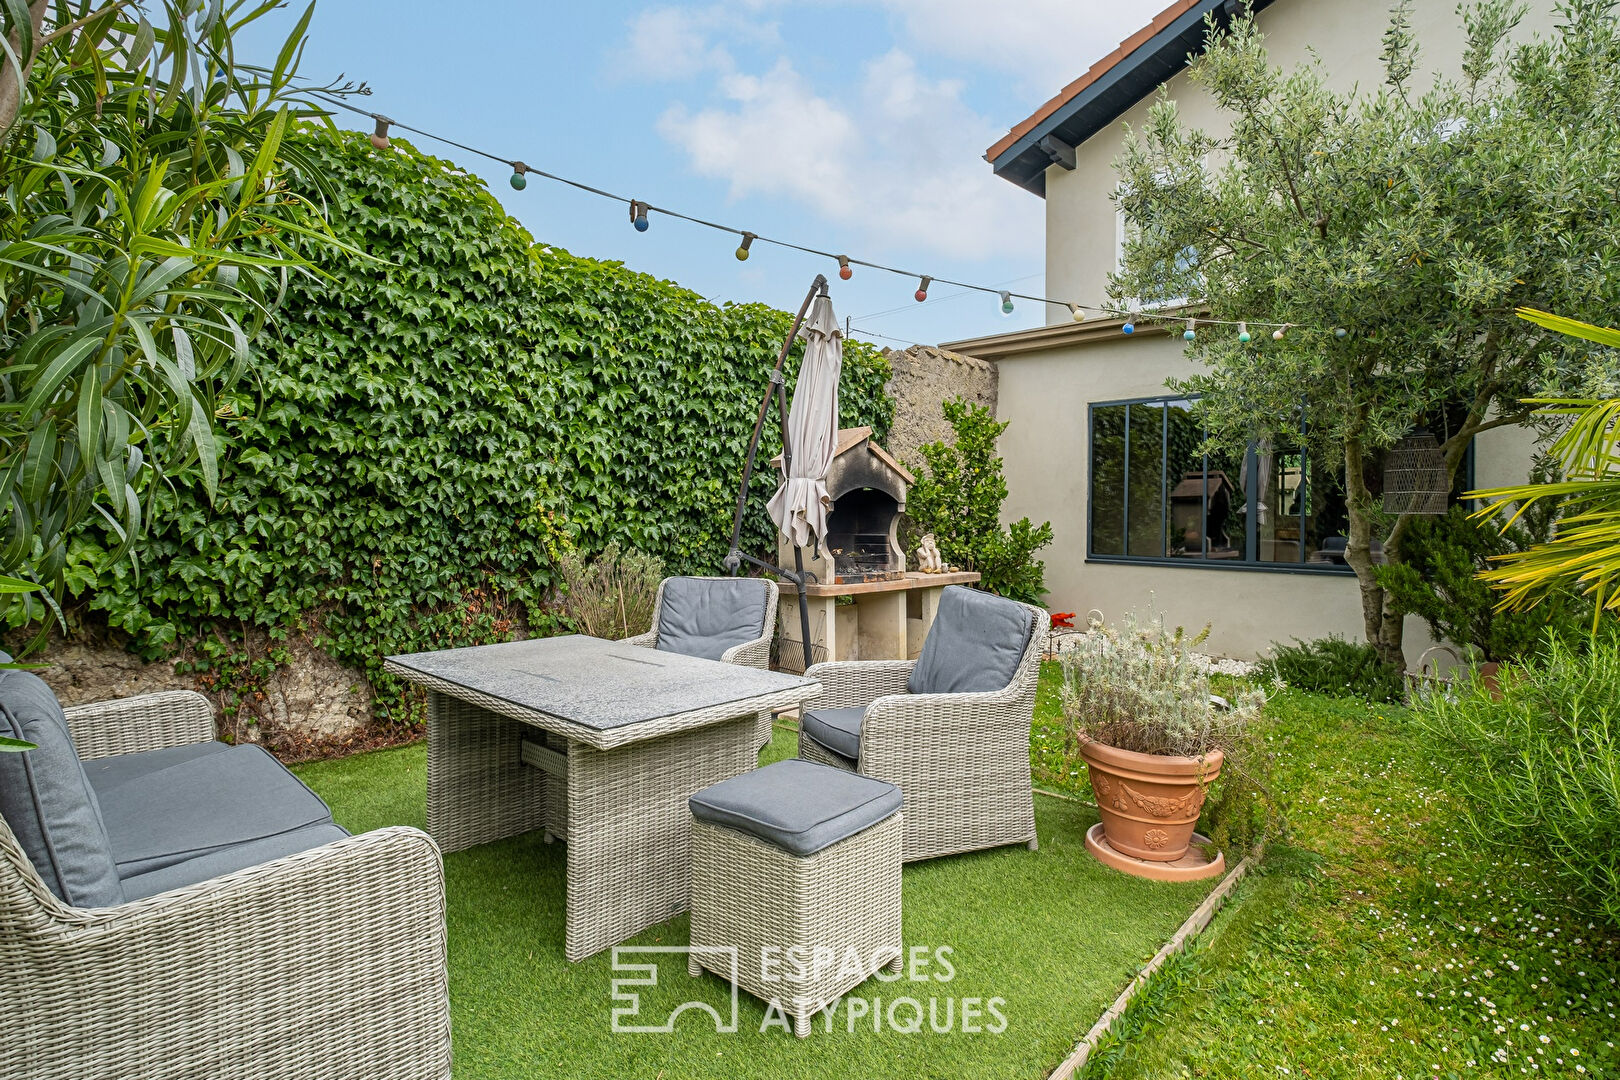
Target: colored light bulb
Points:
(1006, 303)
(845, 271)
(1128, 328)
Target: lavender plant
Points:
(1138, 687)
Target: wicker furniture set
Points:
(802, 858)
(143, 864)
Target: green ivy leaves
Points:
(438, 420)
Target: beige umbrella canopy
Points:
(800, 505)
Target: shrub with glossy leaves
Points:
(958, 497)
(431, 432)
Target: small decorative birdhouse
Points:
(1415, 476)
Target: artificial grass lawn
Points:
(1377, 941)
(1052, 933)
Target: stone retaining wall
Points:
(310, 699)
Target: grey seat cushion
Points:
(110, 772)
(231, 859)
(839, 730)
(706, 616)
(974, 645)
(204, 804)
(800, 806)
(48, 802)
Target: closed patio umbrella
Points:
(799, 506)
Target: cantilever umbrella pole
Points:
(777, 387)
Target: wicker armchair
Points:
(755, 653)
(961, 760)
(329, 962)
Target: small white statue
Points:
(928, 557)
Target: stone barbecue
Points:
(863, 603)
(868, 489)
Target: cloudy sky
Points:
(847, 125)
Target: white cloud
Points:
(897, 159)
(669, 43)
(675, 43)
(1046, 43)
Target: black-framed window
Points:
(1154, 497)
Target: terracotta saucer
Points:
(1193, 866)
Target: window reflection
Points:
(1107, 504)
(1155, 494)
(1145, 489)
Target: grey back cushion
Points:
(47, 800)
(974, 645)
(706, 616)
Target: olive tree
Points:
(148, 201)
(1396, 229)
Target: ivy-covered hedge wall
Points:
(426, 433)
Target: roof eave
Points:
(1111, 94)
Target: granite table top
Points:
(598, 686)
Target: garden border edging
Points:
(1195, 924)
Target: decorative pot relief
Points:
(1120, 796)
(1108, 791)
(1185, 806)
(1155, 838)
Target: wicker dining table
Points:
(599, 743)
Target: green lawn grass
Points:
(1052, 933)
(1377, 941)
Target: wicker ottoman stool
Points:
(796, 867)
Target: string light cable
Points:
(640, 209)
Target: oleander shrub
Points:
(1539, 767)
(146, 189)
(1331, 665)
(430, 434)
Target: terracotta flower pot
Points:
(1149, 803)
